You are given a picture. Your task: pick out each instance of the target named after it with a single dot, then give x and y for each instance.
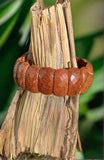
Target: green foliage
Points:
(88, 31)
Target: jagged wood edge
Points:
(74, 101)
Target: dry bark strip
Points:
(38, 123)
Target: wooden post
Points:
(37, 123)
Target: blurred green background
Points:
(88, 32)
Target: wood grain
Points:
(38, 123)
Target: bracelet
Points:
(48, 81)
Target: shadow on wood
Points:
(38, 123)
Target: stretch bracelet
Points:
(48, 81)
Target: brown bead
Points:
(81, 62)
(86, 73)
(61, 82)
(31, 79)
(89, 68)
(46, 76)
(75, 81)
(22, 59)
(15, 72)
(19, 60)
(22, 68)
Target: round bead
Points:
(61, 82)
(22, 68)
(32, 79)
(46, 76)
(75, 81)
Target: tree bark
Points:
(37, 123)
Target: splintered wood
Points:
(37, 123)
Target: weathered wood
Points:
(38, 123)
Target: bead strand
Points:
(48, 81)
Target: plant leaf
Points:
(87, 17)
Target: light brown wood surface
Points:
(38, 123)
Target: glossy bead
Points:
(19, 60)
(46, 76)
(87, 74)
(22, 68)
(32, 79)
(15, 72)
(22, 59)
(46, 80)
(61, 82)
(84, 75)
(75, 81)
